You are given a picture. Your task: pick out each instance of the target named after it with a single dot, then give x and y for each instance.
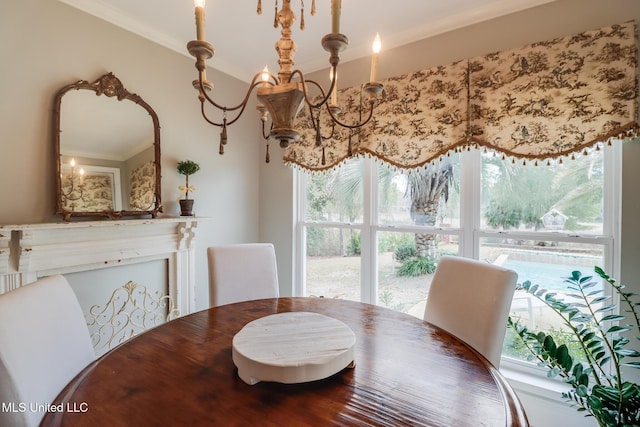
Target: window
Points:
(370, 232)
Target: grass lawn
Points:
(339, 277)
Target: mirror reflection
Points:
(108, 151)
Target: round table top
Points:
(293, 347)
(408, 373)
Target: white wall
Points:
(276, 214)
(45, 45)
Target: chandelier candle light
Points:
(73, 187)
(282, 96)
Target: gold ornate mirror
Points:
(107, 145)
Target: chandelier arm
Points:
(316, 126)
(315, 121)
(223, 124)
(243, 104)
(211, 122)
(204, 115)
(203, 94)
(355, 126)
(304, 88)
(333, 131)
(333, 128)
(265, 135)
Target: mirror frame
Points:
(108, 85)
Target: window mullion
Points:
(470, 181)
(612, 206)
(368, 284)
(299, 250)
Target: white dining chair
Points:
(242, 272)
(471, 300)
(44, 343)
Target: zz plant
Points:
(597, 386)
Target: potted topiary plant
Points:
(187, 168)
(597, 385)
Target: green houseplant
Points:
(597, 385)
(187, 168)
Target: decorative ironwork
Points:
(131, 309)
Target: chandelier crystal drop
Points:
(282, 96)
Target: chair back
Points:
(242, 272)
(44, 343)
(471, 300)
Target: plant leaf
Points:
(550, 345)
(582, 390)
(606, 308)
(604, 360)
(592, 344)
(583, 379)
(617, 328)
(628, 352)
(612, 317)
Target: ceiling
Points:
(244, 41)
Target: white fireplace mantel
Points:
(31, 251)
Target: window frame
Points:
(469, 233)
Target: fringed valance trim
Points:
(320, 168)
(626, 132)
(444, 152)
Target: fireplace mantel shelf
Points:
(103, 223)
(30, 251)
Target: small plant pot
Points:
(186, 207)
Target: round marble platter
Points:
(292, 347)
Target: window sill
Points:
(534, 383)
(542, 397)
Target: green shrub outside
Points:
(416, 266)
(405, 250)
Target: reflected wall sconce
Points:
(73, 185)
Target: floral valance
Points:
(555, 97)
(540, 101)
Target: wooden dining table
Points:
(407, 373)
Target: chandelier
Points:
(281, 97)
